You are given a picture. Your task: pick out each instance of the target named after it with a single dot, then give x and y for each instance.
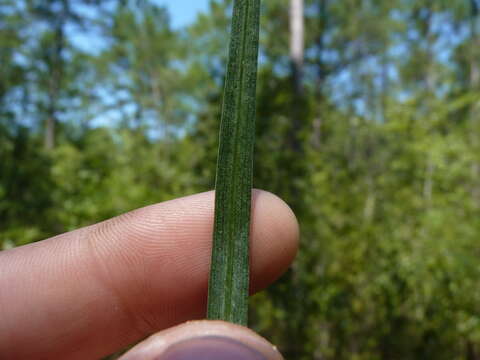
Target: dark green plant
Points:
(229, 276)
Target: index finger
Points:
(90, 292)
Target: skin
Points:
(93, 291)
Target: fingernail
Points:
(211, 348)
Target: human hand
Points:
(93, 291)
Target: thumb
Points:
(204, 340)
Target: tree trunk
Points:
(429, 81)
(49, 136)
(474, 85)
(316, 138)
(428, 183)
(297, 45)
(385, 85)
(296, 327)
(55, 82)
(471, 353)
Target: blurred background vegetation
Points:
(368, 126)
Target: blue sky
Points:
(183, 11)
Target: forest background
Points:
(368, 125)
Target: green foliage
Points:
(385, 182)
(229, 274)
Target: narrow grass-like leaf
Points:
(229, 274)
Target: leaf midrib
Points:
(238, 114)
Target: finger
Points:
(89, 292)
(204, 340)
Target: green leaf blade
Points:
(229, 275)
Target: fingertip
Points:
(275, 234)
(281, 216)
